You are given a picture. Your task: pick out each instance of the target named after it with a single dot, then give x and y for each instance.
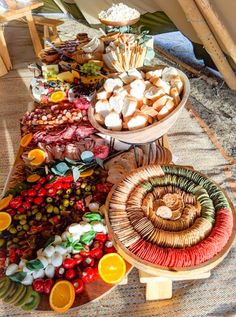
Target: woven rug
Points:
(191, 145)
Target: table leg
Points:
(3, 69)
(34, 34)
(4, 51)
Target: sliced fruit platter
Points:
(170, 218)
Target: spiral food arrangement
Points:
(170, 216)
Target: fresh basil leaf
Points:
(49, 242)
(64, 245)
(72, 162)
(99, 162)
(77, 246)
(52, 180)
(18, 276)
(92, 216)
(75, 173)
(69, 240)
(87, 237)
(34, 265)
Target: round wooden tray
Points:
(119, 23)
(92, 292)
(153, 269)
(153, 131)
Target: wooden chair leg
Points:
(46, 34)
(4, 51)
(34, 34)
(3, 69)
(55, 34)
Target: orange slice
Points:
(5, 220)
(87, 173)
(62, 296)
(4, 202)
(36, 157)
(26, 139)
(33, 178)
(57, 96)
(112, 268)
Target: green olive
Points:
(72, 203)
(9, 243)
(16, 217)
(78, 192)
(65, 202)
(23, 222)
(59, 192)
(69, 191)
(56, 210)
(19, 227)
(93, 188)
(44, 218)
(66, 196)
(38, 216)
(61, 207)
(88, 188)
(83, 185)
(22, 217)
(21, 233)
(49, 199)
(34, 207)
(88, 193)
(2, 242)
(26, 227)
(34, 211)
(15, 240)
(31, 222)
(29, 213)
(49, 208)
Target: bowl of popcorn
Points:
(140, 105)
(119, 15)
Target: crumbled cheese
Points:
(119, 12)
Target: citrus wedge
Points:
(112, 268)
(87, 173)
(4, 202)
(62, 296)
(36, 157)
(26, 139)
(75, 74)
(5, 220)
(33, 178)
(57, 96)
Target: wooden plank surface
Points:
(20, 10)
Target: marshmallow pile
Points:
(136, 99)
(119, 12)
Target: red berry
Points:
(38, 200)
(96, 253)
(68, 263)
(70, 274)
(48, 283)
(88, 261)
(32, 192)
(26, 205)
(38, 285)
(78, 285)
(42, 192)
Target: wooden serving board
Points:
(167, 272)
(93, 291)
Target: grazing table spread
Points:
(93, 190)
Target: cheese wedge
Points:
(130, 106)
(138, 120)
(117, 103)
(103, 94)
(103, 107)
(158, 82)
(159, 103)
(113, 121)
(153, 93)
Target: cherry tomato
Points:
(88, 275)
(88, 261)
(26, 205)
(42, 192)
(70, 274)
(59, 272)
(15, 203)
(68, 263)
(32, 192)
(96, 253)
(48, 283)
(78, 259)
(38, 285)
(85, 252)
(38, 200)
(78, 285)
(101, 237)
